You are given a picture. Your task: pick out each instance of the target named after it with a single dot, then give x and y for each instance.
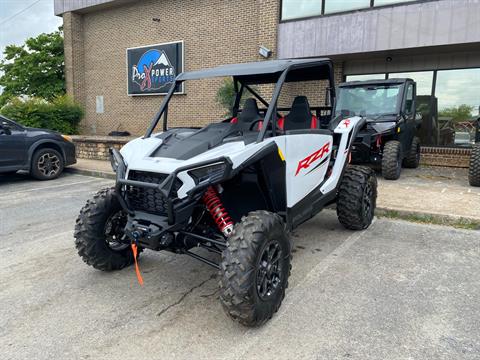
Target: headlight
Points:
(211, 172)
(67, 138)
(381, 127)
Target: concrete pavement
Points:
(395, 291)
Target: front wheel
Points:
(47, 164)
(99, 233)
(255, 268)
(474, 169)
(392, 160)
(357, 198)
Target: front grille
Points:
(149, 200)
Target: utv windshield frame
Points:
(244, 75)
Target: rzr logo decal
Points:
(310, 159)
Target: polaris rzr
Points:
(235, 188)
(387, 140)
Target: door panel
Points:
(12, 148)
(307, 157)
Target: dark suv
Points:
(43, 153)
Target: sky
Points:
(37, 19)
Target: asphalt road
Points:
(396, 291)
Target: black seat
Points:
(248, 115)
(300, 116)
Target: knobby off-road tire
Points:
(357, 197)
(47, 164)
(413, 157)
(95, 228)
(252, 283)
(474, 170)
(392, 160)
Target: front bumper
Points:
(173, 213)
(365, 149)
(69, 152)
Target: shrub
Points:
(61, 114)
(225, 96)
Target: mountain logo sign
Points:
(152, 69)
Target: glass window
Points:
(333, 6)
(409, 99)
(292, 9)
(365, 77)
(388, 2)
(458, 94)
(429, 132)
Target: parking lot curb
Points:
(430, 218)
(90, 172)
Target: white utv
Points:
(235, 188)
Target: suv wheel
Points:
(99, 233)
(474, 170)
(357, 197)
(392, 160)
(413, 157)
(255, 268)
(47, 164)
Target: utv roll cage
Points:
(275, 72)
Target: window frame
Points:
(372, 6)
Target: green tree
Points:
(34, 69)
(459, 113)
(226, 95)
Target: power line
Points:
(20, 12)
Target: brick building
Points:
(435, 42)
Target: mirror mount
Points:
(4, 130)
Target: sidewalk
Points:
(434, 191)
(437, 193)
(98, 168)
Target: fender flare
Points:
(37, 143)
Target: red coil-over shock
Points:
(218, 212)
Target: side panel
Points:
(307, 157)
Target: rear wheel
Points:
(392, 160)
(474, 170)
(47, 164)
(357, 198)
(413, 157)
(99, 233)
(255, 268)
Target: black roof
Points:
(267, 71)
(375, 82)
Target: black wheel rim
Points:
(367, 203)
(115, 231)
(269, 270)
(48, 164)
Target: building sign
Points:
(152, 69)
